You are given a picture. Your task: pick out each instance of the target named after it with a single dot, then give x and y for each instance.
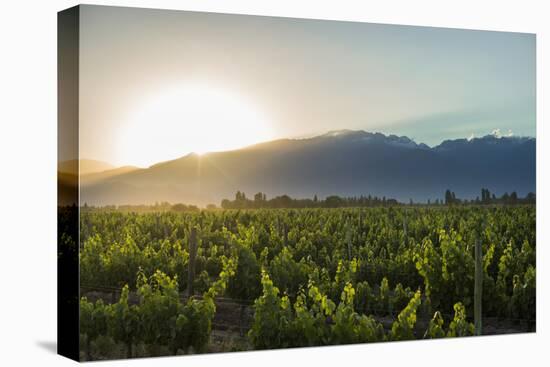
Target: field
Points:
(220, 280)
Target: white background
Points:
(28, 182)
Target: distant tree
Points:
(179, 207)
(283, 201)
(258, 197)
(333, 201)
(211, 206)
(448, 197)
(485, 196)
(391, 202)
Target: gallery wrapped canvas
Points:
(238, 182)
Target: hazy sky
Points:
(149, 78)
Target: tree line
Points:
(260, 201)
(488, 198)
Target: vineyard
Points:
(300, 277)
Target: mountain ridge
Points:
(341, 162)
(84, 166)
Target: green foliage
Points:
(364, 299)
(94, 319)
(400, 297)
(246, 283)
(457, 267)
(329, 269)
(265, 331)
(313, 319)
(436, 255)
(459, 326)
(159, 318)
(403, 327)
(435, 328)
(384, 296)
(287, 274)
(158, 307)
(523, 301)
(125, 321)
(349, 326)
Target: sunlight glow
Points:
(191, 118)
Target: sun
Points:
(194, 118)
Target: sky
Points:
(156, 84)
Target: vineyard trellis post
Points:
(348, 239)
(192, 255)
(478, 287)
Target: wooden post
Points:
(478, 287)
(405, 228)
(348, 240)
(192, 255)
(285, 235)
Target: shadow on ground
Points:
(48, 345)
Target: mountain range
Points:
(343, 162)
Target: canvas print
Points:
(238, 183)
